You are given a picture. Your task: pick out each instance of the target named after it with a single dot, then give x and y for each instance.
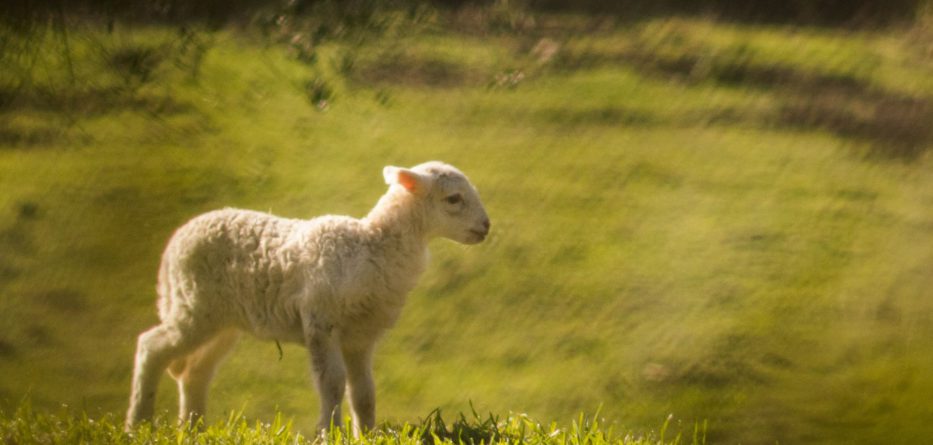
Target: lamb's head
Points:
(448, 202)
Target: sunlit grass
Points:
(27, 426)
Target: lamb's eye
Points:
(454, 199)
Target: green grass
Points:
(26, 426)
(723, 222)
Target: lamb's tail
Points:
(164, 302)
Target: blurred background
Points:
(719, 210)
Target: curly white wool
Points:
(332, 283)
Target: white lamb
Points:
(332, 283)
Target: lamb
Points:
(333, 283)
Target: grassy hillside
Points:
(721, 222)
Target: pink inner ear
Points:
(408, 180)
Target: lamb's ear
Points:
(412, 181)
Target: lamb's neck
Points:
(398, 222)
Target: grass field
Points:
(27, 426)
(725, 223)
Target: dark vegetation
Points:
(217, 12)
(841, 103)
(825, 12)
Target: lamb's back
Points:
(221, 258)
(259, 271)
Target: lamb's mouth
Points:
(480, 235)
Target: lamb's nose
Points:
(486, 224)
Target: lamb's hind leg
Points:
(155, 349)
(194, 373)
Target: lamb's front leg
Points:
(329, 375)
(362, 390)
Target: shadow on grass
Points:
(599, 116)
(86, 101)
(896, 126)
(43, 116)
(411, 70)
